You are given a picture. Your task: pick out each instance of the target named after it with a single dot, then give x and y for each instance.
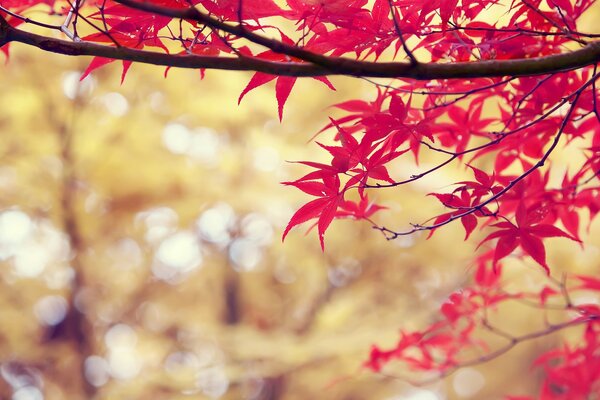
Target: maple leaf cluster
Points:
(467, 328)
(503, 128)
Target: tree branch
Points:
(4, 29)
(322, 66)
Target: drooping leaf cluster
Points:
(469, 335)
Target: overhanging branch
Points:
(326, 65)
(4, 29)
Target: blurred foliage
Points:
(140, 251)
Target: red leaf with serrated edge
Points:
(481, 176)
(96, 63)
(354, 106)
(126, 66)
(311, 176)
(545, 293)
(325, 219)
(546, 231)
(348, 141)
(485, 276)
(588, 282)
(318, 166)
(6, 50)
(283, 87)
(438, 220)
(469, 222)
(309, 187)
(258, 79)
(380, 173)
(324, 80)
(447, 199)
(310, 210)
(570, 220)
(535, 248)
(398, 108)
(363, 210)
(505, 246)
(521, 215)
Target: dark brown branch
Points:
(28, 20)
(372, 69)
(588, 55)
(239, 30)
(409, 53)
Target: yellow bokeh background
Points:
(140, 250)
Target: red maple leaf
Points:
(323, 208)
(527, 234)
(283, 84)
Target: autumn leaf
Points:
(527, 234)
(323, 208)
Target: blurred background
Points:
(140, 250)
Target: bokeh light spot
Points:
(96, 370)
(245, 254)
(28, 393)
(214, 224)
(73, 86)
(116, 104)
(177, 138)
(15, 227)
(467, 382)
(179, 252)
(213, 381)
(51, 310)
